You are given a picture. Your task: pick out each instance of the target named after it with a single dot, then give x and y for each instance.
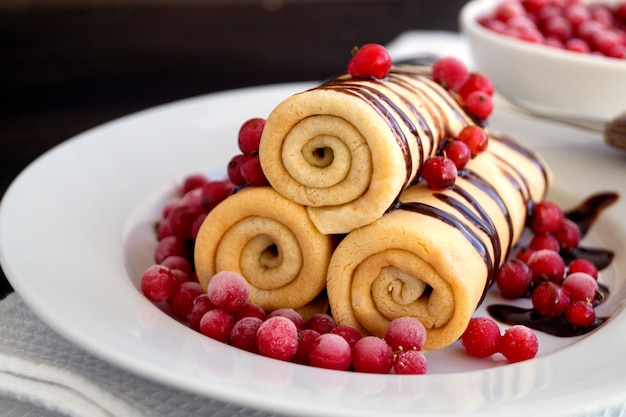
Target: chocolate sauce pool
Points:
(584, 215)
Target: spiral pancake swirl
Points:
(349, 147)
(436, 253)
(271, 242)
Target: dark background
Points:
(69, 65)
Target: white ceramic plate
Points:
(75, 235)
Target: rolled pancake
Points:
(271, 242)
(349, 147)
(434, 256)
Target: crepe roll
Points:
(434, 256)
(349, 147)
(271, 242)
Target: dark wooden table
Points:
(69, 65)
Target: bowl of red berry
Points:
(564, 57)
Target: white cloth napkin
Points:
(42, 374)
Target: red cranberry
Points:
(583, 265)
(193, 181)
(439, 172)
(410, 362)
(450, 72)
(371, 60)
(480, 104)
(546, 217)
(330, 351)
(249, 136)
(475, 138)
(158, 283)
(476, 82)
(234, 169)
(405, 333)
(519, 343)
(580, 313)
(568, 233)
(481, 337)
(547, 265)
(306, 338)
(458, 152)
(549, 299)
(252, 171)
(372, 355)
(277, 338)
(513, 278)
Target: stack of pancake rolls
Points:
(348, 225)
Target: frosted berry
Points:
(580, 286)
(228, 291)
(410, 362)
(450, 72)
(458, 152)
(217, 324)
(182, 298)
(243, 333)
(547, 265)
(583, 265)
(349, 333)
(291, 314)
(519, 343)
(475, 138)
(513, 278)
(480, 104)
(277, 337)
(321, 323)
(549, 299)
(439, 172)
(306, 338)
(330, 351)
(546, 217)
(580, 314)
(249, 136)
(405, 333)
(158, 283)
(481, 337)
(371, 60)
(372, 354)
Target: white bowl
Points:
(543, 78)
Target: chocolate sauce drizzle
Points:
(373, 92)
(584, 215)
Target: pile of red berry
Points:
(482, 338)
(565, 24)
(245, 168)
(224, 314)
(474, 92)
(557, 290)
(370, 61)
